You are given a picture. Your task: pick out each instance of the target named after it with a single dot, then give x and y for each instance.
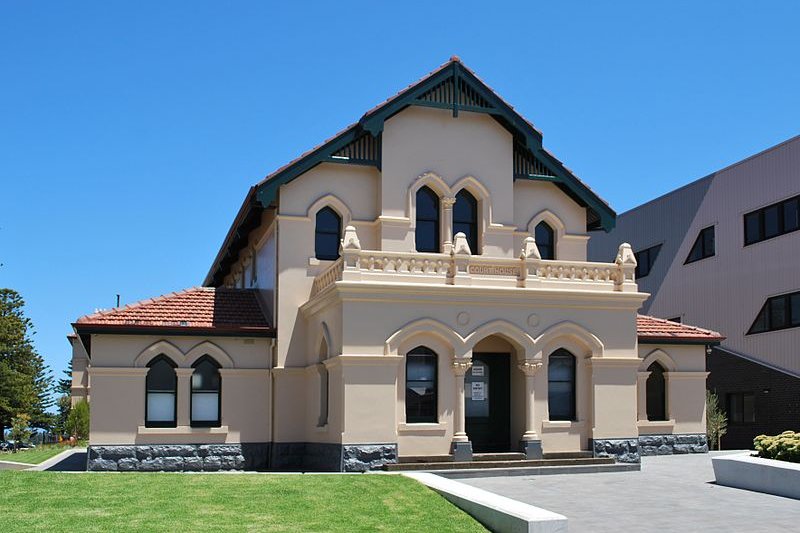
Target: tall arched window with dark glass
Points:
(656, 393)
(465, 218)
(421, 389)
(327, 234)
(161, 386)
(206, 387)
(561, 385)
(427, 233)
(545, 240)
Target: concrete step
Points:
(569, 455)
(538, 470)
(503, 456)
(496, 464)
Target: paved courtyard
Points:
(671, 493)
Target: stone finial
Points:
(625, 255)
(461, 246)
(530, 368)
(529, 249)
(350, 240)
(461, 365)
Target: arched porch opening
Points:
(494, 399)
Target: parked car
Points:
(6, 446)
(26, 445)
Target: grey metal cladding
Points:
(664, 221)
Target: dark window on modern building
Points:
(656, 393)
(421, 402)
(741, 407)
(206, 387)
(465, 218)
(561, 385)
(645, 260)
(327, 234)
(703, 247)
(545, 240)
(778, 312)
(161, 386)
(427, 232)
(771, 221)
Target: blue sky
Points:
(131, 131)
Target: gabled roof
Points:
(199, 310)
(452, 86)
(657, 330)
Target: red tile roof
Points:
(651, 329)
(199, 309)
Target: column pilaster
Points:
(531, 442)
(461, 446)
(447, 221)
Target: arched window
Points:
(561, 385)
(545, 240)
(421, 404)
(465, 218)
(656, 393)
(206, 385)
(161, 386)
(327, 234)
(324, 385)
(427, 232)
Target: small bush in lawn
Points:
(783, 447)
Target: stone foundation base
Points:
(179, 457)
(623, 450)
(326, 457)
(672, 444)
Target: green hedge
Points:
(783, 447)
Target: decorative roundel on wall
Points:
(533, 320)
(462, 318)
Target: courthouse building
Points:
(417, 286)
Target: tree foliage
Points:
(20, 428)
(716, 420)
(78, 420)
(25, 380)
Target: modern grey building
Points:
(723, 253)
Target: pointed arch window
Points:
(161, 386)
(465, 218)
(327, 233)
(656, 393)
(205, 404)
(561, 385)
(426, 235)
(545, 240)
(421, 386)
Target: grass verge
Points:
(36, 455)
(32, 501)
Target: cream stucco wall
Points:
(118, 370)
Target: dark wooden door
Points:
(487, 402)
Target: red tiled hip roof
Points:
(652, 329)
(206, 309)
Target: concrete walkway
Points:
(671, 493)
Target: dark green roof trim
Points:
(173, 331)
(465, 92)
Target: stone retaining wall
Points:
(672, 444)
(179, 457)
(623, 450)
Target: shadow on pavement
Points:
(73, 463)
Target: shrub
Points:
(783, 447)
(78, 420)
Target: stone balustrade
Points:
(460, 267)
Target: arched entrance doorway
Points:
(489, 387)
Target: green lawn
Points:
(36, 455)
(37, 501)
